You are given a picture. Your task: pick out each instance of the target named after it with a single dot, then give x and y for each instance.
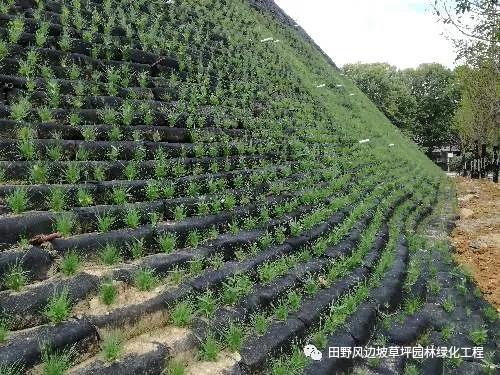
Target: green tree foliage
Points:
(384, 85)
(477, 115)
(477, 44)
(420, 101)
(437, 94)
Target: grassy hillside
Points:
(191, 186)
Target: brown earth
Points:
(477, 234)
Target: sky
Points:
(404, 33)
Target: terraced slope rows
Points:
(183, 189)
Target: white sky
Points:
(404, 33)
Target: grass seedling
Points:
(182, 314)
(490, 313)
(209, 349)
(145, 280)
(15, 29)
(412, 305)
(57, 199)
(108, 293)
(447, 332)
(20, 110)
(179, 213)
(320, 339)
(39, 173)
(110, 255)
(260, 324)
(137, 248)
(4, 331)
(479, 336)
(206, 303)
(17, 201)
(132, 218)
(193, 238)
(411, 370)
(56, 363)
(105, 222)
(112, 347)
(119, 196)
(167, 242)
(175, 367)
(70, 263)
(281, 312)
(59, 307)
(84, 198)
(448, 304)
(15, 278)
(73, 172)
(233, 337)
(64, 224)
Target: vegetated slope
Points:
(184, 187)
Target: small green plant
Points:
(176, 367)
(42, 34)
(207, 303)
(112, 347)
(320, 339)
(209, 349)
(119, 196)
(108, 293)
(70, 263)
(137, 248)
(20, 110)
(110, 255)
(145, 280)
(260, 324)
(167, 242)
(479, 336)
(179, 213)
(84, 198)
(65, 222)
(411, 370)
(412, 305)
(58, 308)
(4, 331)
(4, 50)
(15, 30)
(182, 314)
(447, 332)
(193, 238)
(105, 222)
(281, 312)
(233, 337)
(56, 362)
(17, 201)
(132, 218)
(448, 304)
(15, 278)
(490, 313)
(311, 286)
(39, 173)
(73, 172)
(57, 199)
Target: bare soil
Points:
(477, 234)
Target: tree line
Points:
(437, 106)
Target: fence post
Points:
(475, 166)
(483, 171)
(495, 163)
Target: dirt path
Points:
(477, 235)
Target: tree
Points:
(478, 47)
(437, 94)
(383, 84)
(420, 101)
(477, 116)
